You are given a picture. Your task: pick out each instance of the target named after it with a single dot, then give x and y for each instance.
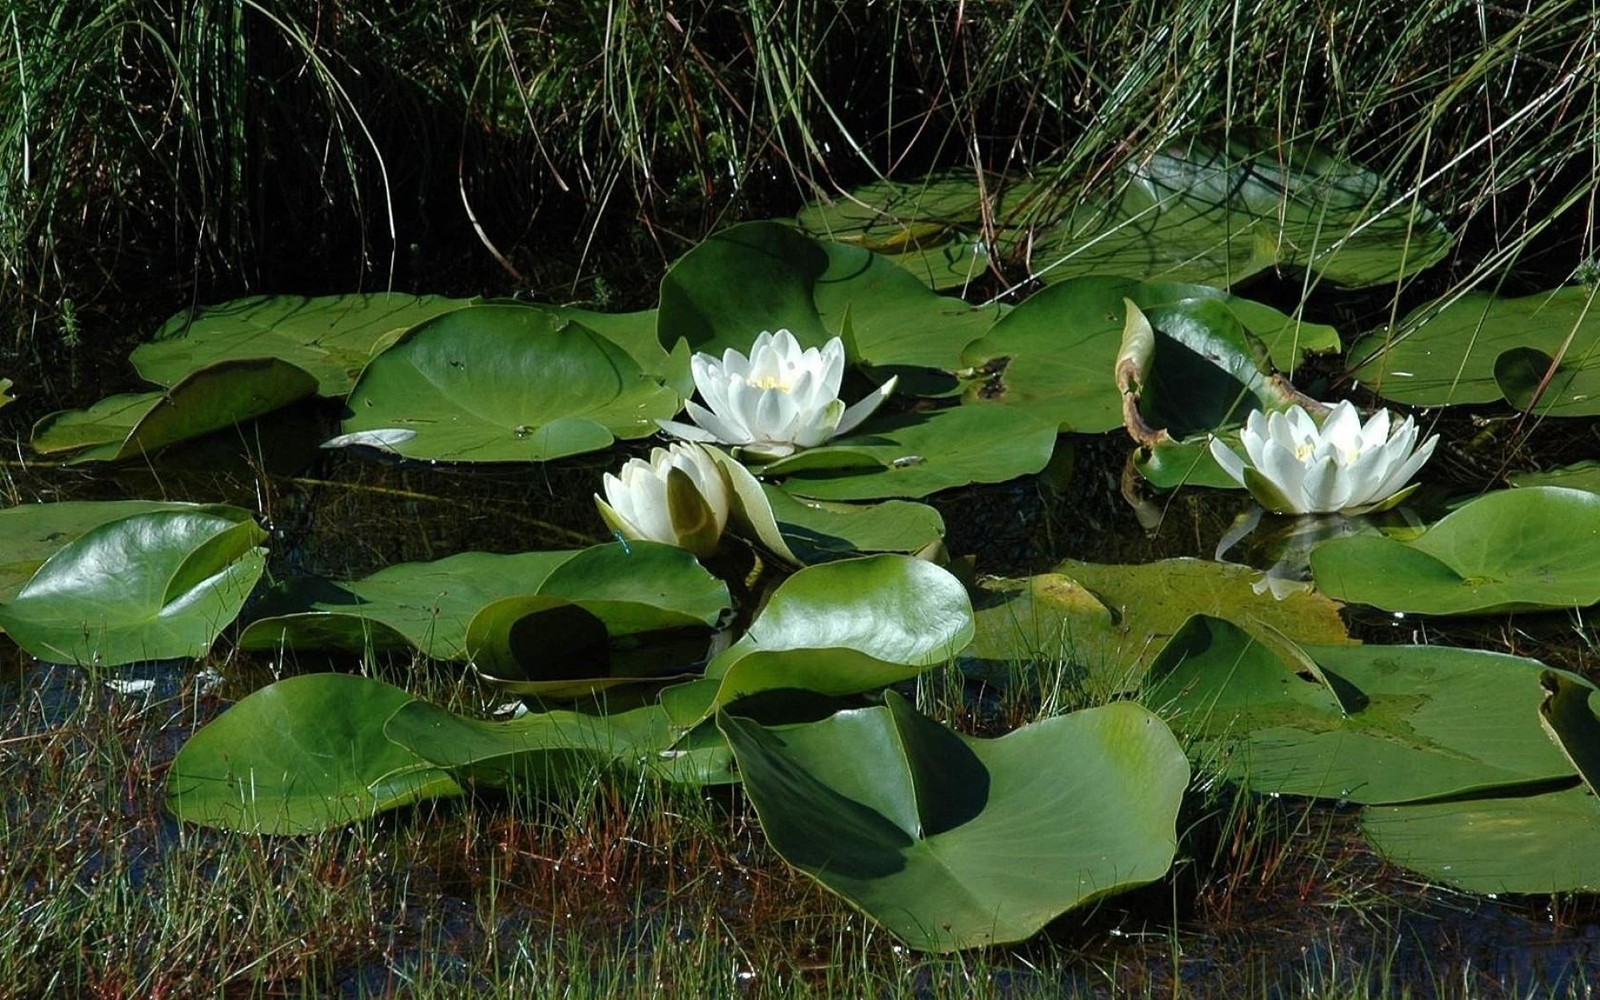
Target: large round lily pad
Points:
(952, 842)
(506, 383)
(1537, 839)
(1358, 723)
(302, 755)
(331, 336)
(133, 425)
(1480, 348)
(1532, 843)
(1535, 547)
(424, 605)
(925, 226)
(150, 586)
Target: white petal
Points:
(774, 414)
(1322, 482)
(714, 391)
(689, 432)
(381, 438)
(720, 425)
(1402, 475)
(1231, 463)
(1360, 479)
(740, 416)
(734, 365)
(832, 367)
(1375, 433)
(1283, 470)
(865, 407)
(822, 425)
(1342, 428)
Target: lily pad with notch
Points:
(1540, 839)
(765, 276)
(920, 827)
(539, 751)
(430, 606)
(507, 383)
(30, 532)
(1055, 355)
(1150, 602)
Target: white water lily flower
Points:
(679, 497)
(778, 400)
(1296, 467)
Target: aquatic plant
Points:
(679, 497)
(777, 400)
(1297, 467)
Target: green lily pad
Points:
(1210, 212)
(915, 454)
(302, 755)
(150, 586)
(504, 384)
(1200, 210)
(1509, 550)
(1358, 723)
(818, 531)
(424, 605)
(924, 227)
(1151, 601)
(540, 750)
(1480, 348)
(430, 606)
(764, 276)
(740, 281)
(837, 629)
(566, 639)
(30, 532)
(1048, 618)
(1055, 354)
(1545, 839)
(332, 337)
(1532, 843)
(1583, 475)
(5, 392)
(133, 425)
(952, 842)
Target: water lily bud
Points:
(774, 402)
(679, 497)
(1296, 467)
